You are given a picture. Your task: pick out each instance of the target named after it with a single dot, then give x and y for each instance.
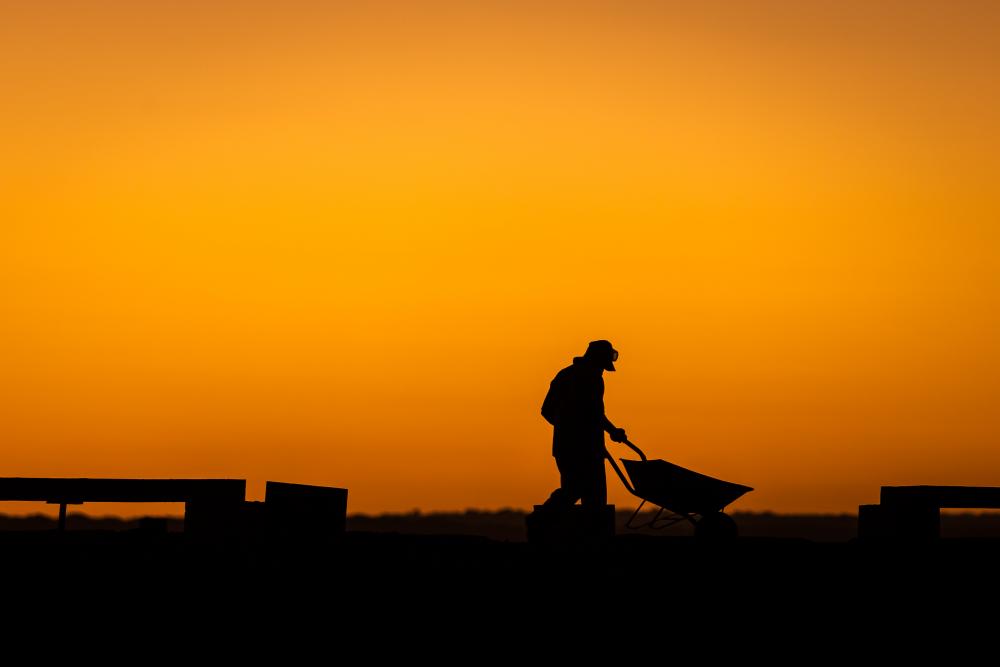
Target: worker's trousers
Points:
(580, 478)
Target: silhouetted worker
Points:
(575, 407)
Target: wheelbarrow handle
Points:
(636, 449)
(621, 475)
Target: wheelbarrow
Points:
(681, 494)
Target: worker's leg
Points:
(572, 479)
(594, 493)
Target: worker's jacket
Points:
(575, 407)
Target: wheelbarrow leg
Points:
(628, 524)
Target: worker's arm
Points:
(617, 434)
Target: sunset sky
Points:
(351, 243)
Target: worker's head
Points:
(600, 353)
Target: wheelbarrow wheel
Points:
(716, 526)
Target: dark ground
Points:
(508, 525)
(391, 584)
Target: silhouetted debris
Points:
(211, 506)
(214, 509)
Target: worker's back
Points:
(574, 405)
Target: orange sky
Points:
(352, 245)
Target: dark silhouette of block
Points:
(914, 512)
(954, 497)
(303, 511)
(570, 525)
(212, 520)
(871, 522)
(911, 521)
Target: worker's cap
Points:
(602, 352)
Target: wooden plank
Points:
(958, 497)
(79, 490)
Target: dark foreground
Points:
(381, 580)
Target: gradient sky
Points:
(351, 244)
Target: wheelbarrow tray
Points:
(681, 490)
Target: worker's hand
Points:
(618, 435)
